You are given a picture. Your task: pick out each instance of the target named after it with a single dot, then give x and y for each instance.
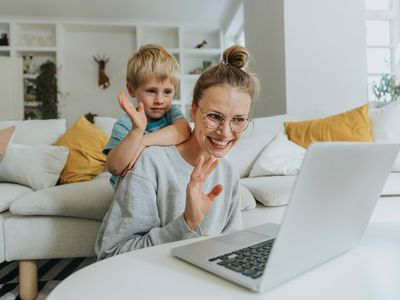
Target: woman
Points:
(189, 190)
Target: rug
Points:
(50, 273)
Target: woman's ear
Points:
(194, 110)
(130, 89)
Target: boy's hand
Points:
(198, 203)
(137, 115)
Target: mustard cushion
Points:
(85, 143)
(353, 125)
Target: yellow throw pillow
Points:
(353, 125)
(86, 159)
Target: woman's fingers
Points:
(198, 167)
(215, 192)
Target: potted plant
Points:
(386, 90)
(46, 90)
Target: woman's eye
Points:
(238, 120)
(215, 117)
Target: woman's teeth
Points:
(218, 143)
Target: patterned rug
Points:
(50, 273)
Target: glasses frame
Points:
(223, 121)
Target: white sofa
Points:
(62, 221)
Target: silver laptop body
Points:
(330, 204)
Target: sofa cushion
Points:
(89, 199)
(36, 166)
(105, 124)
(270, 190)
(85, 143)
(246, 199)
(243, 155)
(386, 126)
(48, 237)
(260, 133)
(6, 135)
(36, 132)
(353, 125)
(9, 192)
(280, 157)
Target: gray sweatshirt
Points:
(149, 203)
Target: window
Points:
(381, 24)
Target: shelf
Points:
(35, 34)
(202, 52)
(166, 36)
(37, 49)
(31, 76)
(192, 36)
(71, 45)
(190, 76)
(31, 103)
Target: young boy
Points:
(152, 77)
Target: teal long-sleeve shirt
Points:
(148, 206)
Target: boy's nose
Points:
(158, 99)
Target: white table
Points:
(370, 271)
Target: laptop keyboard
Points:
(249, 261)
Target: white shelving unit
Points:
(71, 45)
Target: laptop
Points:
(329, 208)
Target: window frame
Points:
(391, 15)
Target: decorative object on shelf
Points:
(42, 41)
(90, 117)
(196, 71)
(4, 39)
(29, 66)
(201, 45)
(199, 70)
(104, 81)
(30, 92)
(30, 115)
(46, 90)
(29, 38)
(206, 64)
(387, 90)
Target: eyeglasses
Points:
(214, 120)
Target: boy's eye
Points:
(152, 91)
(168, 92)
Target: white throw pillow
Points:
(246, 198)
(105, 124)
(280, 157)
(36, 132)
(36, 166)
(270, 190)
(243, 155)
(386, 126)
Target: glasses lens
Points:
(239, 124)
(213, 120)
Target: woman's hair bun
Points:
(236, 56)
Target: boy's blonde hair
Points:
(152, 61)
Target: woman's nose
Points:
(225, 129)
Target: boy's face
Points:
(156, 97)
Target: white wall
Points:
(80, 71)
(264, 34)
(320, 65)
